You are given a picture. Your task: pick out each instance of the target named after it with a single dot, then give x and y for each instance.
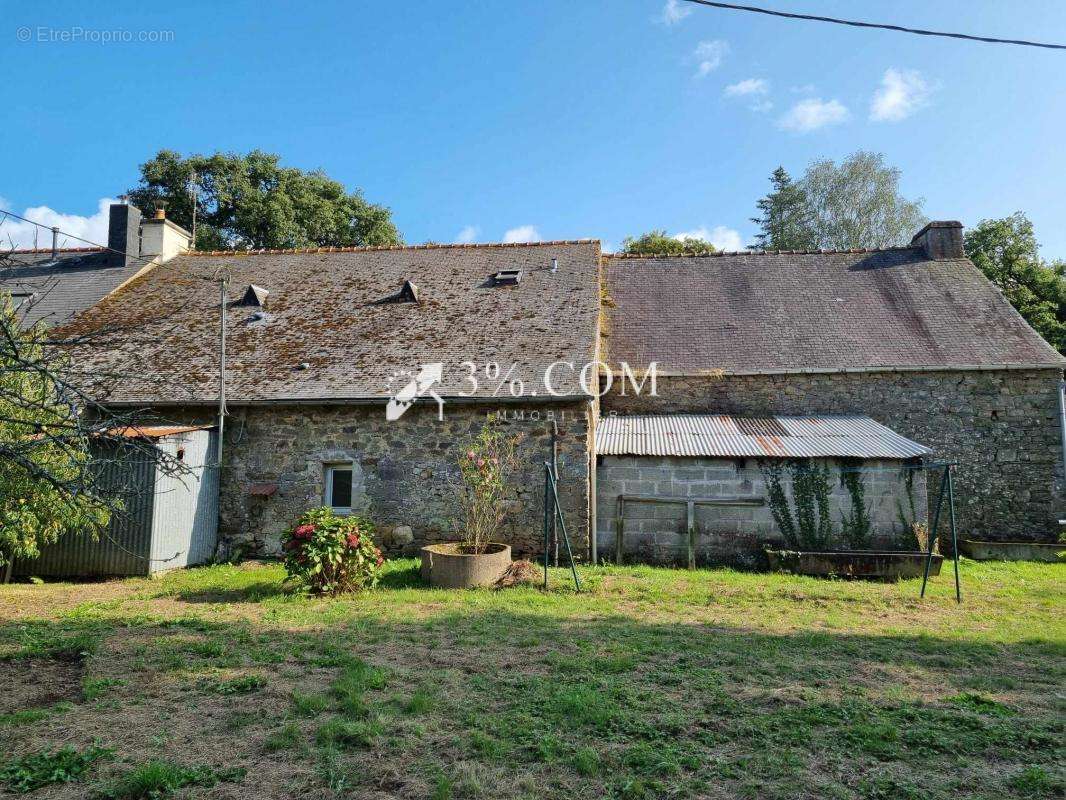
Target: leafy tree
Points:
(657, 242)
(250, 201)
(858, 204)
(855, 204)
(46, 485)
(1007, 252)
(784, 216)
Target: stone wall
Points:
(894, 498)
(1001, 426)
(405, 472)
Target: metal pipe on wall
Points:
(221, 369)
(1062, 426)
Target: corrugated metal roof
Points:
(728, 436)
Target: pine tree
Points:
(784, 216)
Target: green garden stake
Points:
(547, 523)
(562, 527)
(954, 535)
(932, 534)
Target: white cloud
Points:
(751, 86)
(762, 106)
(16, 233)
(673, 12)
(902, 92)
(708, 56)
(810, 115)
(468, 235)
(523, 233)
(720, 236)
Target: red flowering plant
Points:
(327, 554)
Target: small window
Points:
(339, 487)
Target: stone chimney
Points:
(162, 239)
(124, 235)
(940, 240)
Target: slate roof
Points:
(813, 311)
(727, 436)
(53, 291)
(332, 327)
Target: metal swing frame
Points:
(947, 485)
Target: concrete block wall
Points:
(730, 534)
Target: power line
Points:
(885, 27)
(146, 261)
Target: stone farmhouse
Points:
(354, 377)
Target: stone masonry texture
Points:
(895, 497)
(406, 472)
(1001, 426)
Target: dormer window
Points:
(507, 277)
(408, 293)
(254, 296)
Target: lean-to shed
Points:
(657, 475)
(169, 517)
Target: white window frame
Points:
(348, 465)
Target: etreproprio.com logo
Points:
(409, 386)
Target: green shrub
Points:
(41, 769)
(327, 554)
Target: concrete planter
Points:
(880, 565)
(1013, 551)
(449, 566)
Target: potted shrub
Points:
(477, 560)
(327, 554)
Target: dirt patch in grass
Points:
(29, 683)
(22, 600)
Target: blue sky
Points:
(547, 118)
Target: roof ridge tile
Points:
(383, 247)
(27, 250)
(720, 253)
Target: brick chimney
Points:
(123, 234)
(940, 240)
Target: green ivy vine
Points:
(807, 525)
(854, 525)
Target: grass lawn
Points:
(215, 683)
